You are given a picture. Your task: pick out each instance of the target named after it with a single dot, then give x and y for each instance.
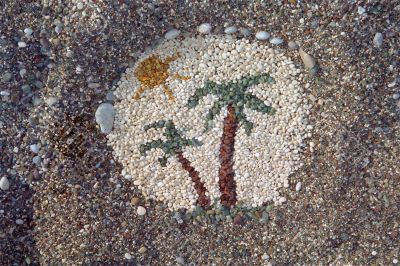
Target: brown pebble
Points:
(135, 201)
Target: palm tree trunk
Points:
(227, 184)
(203, 199)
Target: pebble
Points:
(22, 44)
(292, 45)
(6, 77)
(4, 183)
(374, 253)
(361, 10)
(204, 28)
(37, 159)
(105, 114)
(50, 101)
(230, 30)
(396, 96)
(142, 250)
(172, 34)
(180, 260)
(4, 93)
(378, 40)
(19, 221)
(79, 6)
(298, 186)
(276, 41)
(262, 35)
(93, 85)
(28, 32)
(135, 201)
(38, 84)
(58, 29)
(128, 256)
(245, 32)
(110, 96)
(308, 60)
(34, 148)
(26, 88)
(141, 211)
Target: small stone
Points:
(298, 186)
(141, 211)
(308, 60)
(28, 32)
(110, 96)
(4, 93)
(135, 201)
(58, 29)
(79, 6)
(34, 148)
(142, 250)
(19, 221)
(38, 84)
(93, 85)
(6, 77)
(204, 28)
(172, 34)
(22, 44)
(396, 96)
(180, 260)
(128, 256)
(230, 30)
(374, 253)
(36, 160)
(105, 117)
(50, 101)
(276, 41)
(361, 10)
(262, 35)
(4, 183)
(245, 32)
(378, 40)
(26, 89)
(292, 45)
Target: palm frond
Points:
(154, 144)
(158, 124)
(258, 105)
(200, 93)
(255, 80)
(213, 112)
(241, 117)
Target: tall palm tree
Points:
(233, 95)
(174, 146)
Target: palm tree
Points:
(234, 96)
(174, 146)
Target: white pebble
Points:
(128, 256)
(4, 183)
(378, 40)
(205, 28)
(4, 93)
(79, 6)
(105, 114)
(276, 41)
(230, 30)
(28, 32)
(141, 211)
(396, 96)
(172, 34)
(374, 253)
(298, 186)
(308, 60)
(262, 35)
(34, 148)
(21, 44)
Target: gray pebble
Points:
(105, 117)
(230, 30)
(38, 84)
(110, 96)
(172, 34)
(180, 260)
(245, 32)
(262, 35)
(396, 96)
(6, 77)
(93, 85)
(19, 221)
(26, 88)
(28, 32)
(50, 101)
(58, 29)
(34, 148)
(4, 183)
(378, 40)
(276, 41)
(79, 6)
(36, 160)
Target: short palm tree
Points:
(235, 97)
(174, 146)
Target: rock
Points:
(262, 35)
(276, 41)
(308, 60)
(79, 6)
(34, 148)
(22, 44)
(396, 96)
(58, 29)
(105, 114)
(180, 260)
(93, 85)
(245, 32)
(4, 183)
(28, 32)
(361, 10)
(292, 45)
(4, 93)
(142, 250)
(141, 211)
(38, 84)
(6, 77)
(204, 28)
(19, 221)
(172, 34)
(378, 39)
(298, 186)
(51, 101)
(110, 96)
(230, 30)
(127, 256)
(135, 201)
(36, 160)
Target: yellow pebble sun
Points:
(153, 72)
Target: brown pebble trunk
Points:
(227, 184)
(203, 199)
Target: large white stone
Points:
(105, 114)
(4, 183)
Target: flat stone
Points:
(6, 77)
(230, 30)
(378, 39)
(93, 85)
(135, 201)
(262, 35)
(19, 221)
(172, 34)
(292, 45)
(34, 148)
(308, 60)
(4, 183)
(105, 114)
(276, 41)
(142, 250)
